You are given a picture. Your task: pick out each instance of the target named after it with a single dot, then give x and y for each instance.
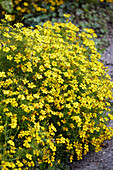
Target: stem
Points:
(5, 133)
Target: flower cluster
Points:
(110, 1)
(23, 7)
(54, 95)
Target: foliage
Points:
(7, 5)
(54, 95)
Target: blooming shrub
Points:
(54, 95)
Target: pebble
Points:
(104, 152)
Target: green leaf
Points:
(63, 5)
(79, 11)
(53, 19)
(61, 20)
(44, 16)
(7, 5)
(60, 10)
(48, 6)
(28, 15)
(54, 14)
(82, 24)
(51, 168)
(85, 7)
(60, 14)
(37, 19)
(95, 18)
(49, 14)
(76, 4)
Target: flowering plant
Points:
(54, 95)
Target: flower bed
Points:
(54, 95)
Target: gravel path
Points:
(102, 160)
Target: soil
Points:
(102, 160)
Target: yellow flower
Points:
(13, 121)
(52, 8)
(29, 156)
(71, 158)
(26, 4)
(9, 114)
(6, 49)
(2, 74)
(111, 116)
(31, 85)
(1, 128)
(25, 81)
(66, 15)
(26, 144)
(18, 8)
(58, 161)
(72, 126)
(13, 47)
(21, 96)
(11, 143)
(9, 57)
(8, 17)
(53, 148)
(19, 164)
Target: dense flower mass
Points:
(54, 95)
(23, 7)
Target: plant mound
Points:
(54, 95)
